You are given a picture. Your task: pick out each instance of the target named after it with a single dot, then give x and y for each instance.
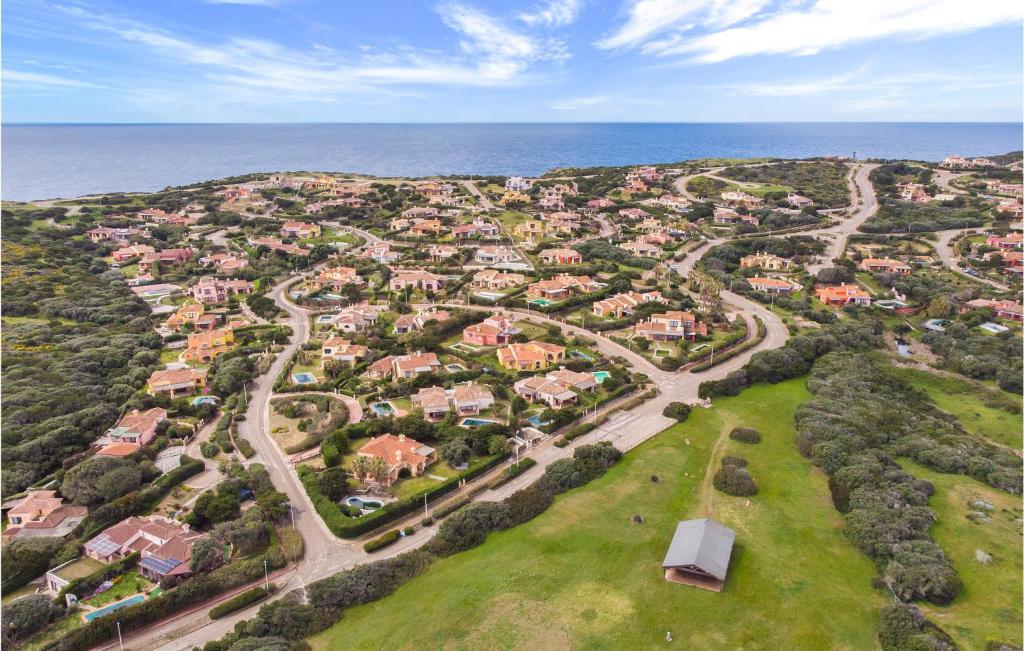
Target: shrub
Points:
(292, 545)
(208, 450)
(242, 600)
(528, 503)
(561, 443)
(245, 447)
(24, 616)
(579, 431)
(745, 435)
(382, 541)
(733, 479)
(469, 527)
(904, 628)
(677, 410)
(368, 582)
(512, 472)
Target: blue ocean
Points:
(49, 161)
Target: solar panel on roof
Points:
(159, 565)
(102, 545)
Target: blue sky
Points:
(528, 60)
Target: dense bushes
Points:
(578, 431)
(795, 358)
(25, 558)
(905, 217)
(680, 411)
(365, 583)
(733, 478)
(904, 628)
(859, 419)
(823, 182)
(745, 435)
(242, 600)
(24, 616)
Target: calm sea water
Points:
(46, 161)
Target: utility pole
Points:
(426, 513)
(120, 642)
(712, 361)
(266, 575)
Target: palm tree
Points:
(361, 467)
(378, 470)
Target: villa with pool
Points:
(399, 453)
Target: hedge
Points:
(346, 527)
(383, 541)
(762, 330)
(242, 600)
(579, 431)
(245, 447)
(512, 472)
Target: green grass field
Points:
(981, 409)
(584, 575)
(989, 606)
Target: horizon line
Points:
(524, 122)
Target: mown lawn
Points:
(989, 605)
(584, 575)
(982, 410)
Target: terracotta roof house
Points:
(423, 227)
(495, 255)
(699, 554)
(217, 290)
(486, 228)
(634, 213)
(439, 252)
(540, 389)
(885, 265)
(560, 257)
(573, 380)
(471, 399)
(339, 349)
(136, 428)
(765, 261)
(494, 279)
(842, 295)
(561, 287)
(300, 230)
(1011, 241)
(165, 546)
(340, 276)
(531, 356)
(208, 345)
(1001, 309)
(193, 313)
(404, 366)
(175, 383)
(641, 248)
(420, 212)
(485, 334)
(798, 201)
(671, 326)
(165, 257)
(354, 318)
(411, 322)
(532, 228)
(224, 262)
(127, 253)
(595, 205)
(622, 305)
(773, 285)
(464, 231)
(275, 244)
(42, 513)
(399, 453)
(738, 198)
(433, 401)
(417, 280)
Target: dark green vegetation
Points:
(823, 182)
(896, 216)
(978, 356)
(733, 478)
(242, 600)
(860, 420)
(83, 345)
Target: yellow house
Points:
(531, 228)
(206, 346)
(514, 196)
(531, 356)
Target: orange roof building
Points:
(399, 453)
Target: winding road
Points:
(326, 555)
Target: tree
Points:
(207, 555)
(333, 483)
(677, 410)
(941, 306)
(26, 615)
(456, 452)
(709, 289)
(100, 479)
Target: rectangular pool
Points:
(117, 605)
(382, 408)
(304, 378)
(476, 422)
(601, 376)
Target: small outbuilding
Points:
(699, 554)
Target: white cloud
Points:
(489, 53)
(576, 103)
(553, 13)
(710, 31)
(42, 80)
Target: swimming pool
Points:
(325, 318)
(382, 408)
(536, 421)
(364, 505)
(476, 422)
(454, 368)
(491, 296)
(578, 355)
(543, 302)
(117, 605)
(601, 376)
(304, 378)
(204, 400)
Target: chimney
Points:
(398, 454)
(401, 438)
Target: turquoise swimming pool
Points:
(543, 302)
(304, 378)
(578, 355)
(365, 505)
(601, 376)
(536, 421)
(382, 408)
(476, 422)
(117, 605)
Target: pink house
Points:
(136, 427)
(493, 331)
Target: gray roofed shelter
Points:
(699, 554)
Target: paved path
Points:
(947, 254)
